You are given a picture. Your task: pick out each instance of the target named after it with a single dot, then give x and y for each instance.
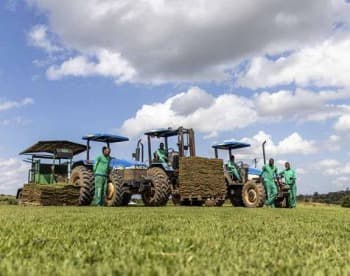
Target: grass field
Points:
(174, 241)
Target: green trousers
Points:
(100, 190)
(271, 192)
(292, 195)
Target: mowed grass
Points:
(174, 241)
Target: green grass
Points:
(174, 241)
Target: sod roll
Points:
(201, 178)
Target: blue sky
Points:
(272, 71)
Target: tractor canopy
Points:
(229, 145)
(162, 132)
(106, 138)
(54, 147)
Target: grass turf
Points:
(174, 241)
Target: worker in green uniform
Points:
(290, 180)
(101, 172)
(161, 154)
(233, 168)
(269, 173)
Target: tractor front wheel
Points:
(83, 177)
(160, 190)
(235, 196)
(117, 193)
(253, 194)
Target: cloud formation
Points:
(13, 174)
(324, 64)
(6, 104)
(176, 41)
(194, 108)
(227, 112)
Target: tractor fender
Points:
(163, 166)
(84, 163)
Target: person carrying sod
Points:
(290, 180)
(101, 172)
(161, 154)
(233, 168)
(269, 172)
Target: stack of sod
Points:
(201, 178)
(54, 194)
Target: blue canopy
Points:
(230, 145)
(106, 138)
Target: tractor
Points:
(51, 163)
(160, 179)
(62, 169)
(82, 172)
(248, 190)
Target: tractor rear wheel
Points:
(160, 190)
(84, 178)
(117, 193)
(253, 194)
(235, 196)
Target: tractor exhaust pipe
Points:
(139, 153)
(264, 154)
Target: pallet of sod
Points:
(201, 178)
(54, 194)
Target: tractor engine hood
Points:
(254, 171)
(122, 163)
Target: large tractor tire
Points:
(117, 193)
(84, 178)
(235, 196)
(253, 194)
(160, 190)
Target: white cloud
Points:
(199, 40)
(325, 64)
(301, 104)
(6, 105)
(208, 115)
(343, 123)
(108, 64)
(333, 167)
(292, 144)
(38, 36)
(19, 121)
(13, 174)
(342, 182)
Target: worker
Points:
(101, 172)
(161, 154)
(269, 173)
(290, 180)
(233, 168)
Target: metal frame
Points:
(185, 141)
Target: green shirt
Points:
(101, 166)
(162, 156)
(269, 172)
(289, 176)
(232, 167)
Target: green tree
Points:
(346, 201)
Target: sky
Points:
(246, 70)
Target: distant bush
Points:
(346, 202)
(8, 200)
